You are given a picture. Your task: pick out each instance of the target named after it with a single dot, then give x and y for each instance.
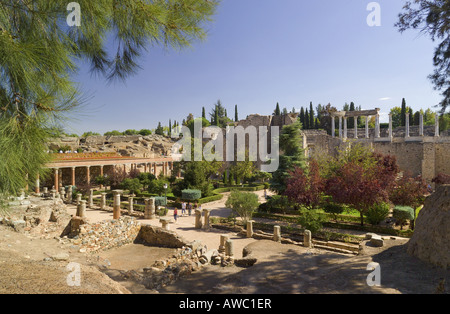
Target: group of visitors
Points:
(187, 207)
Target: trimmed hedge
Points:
(191, 195)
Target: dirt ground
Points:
(31, 265)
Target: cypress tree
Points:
(277, 110)
(307, 126)
(351, 121)
(403, 112)
(203, 113)
(236, 117)
(311, 116)
(302, 117)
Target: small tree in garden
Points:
(305, 188)
(409, 191)
(132, 185)
(243, 203)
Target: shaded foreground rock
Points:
(431, 239)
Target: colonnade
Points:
(344, 116)
(148, 167)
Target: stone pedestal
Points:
(78, 199)
(91, 199)
(277, 233)
(103, 202)
(165, 223)
(206, 214)
(198, 219)
(116, 206)
(130, 205)
(53, 193)
(81, 209)
(62, 193)
(307, 239)
(229, 249)
(250, 228)
(223, 239)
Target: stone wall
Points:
(106, 235)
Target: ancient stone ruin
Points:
(431, 239)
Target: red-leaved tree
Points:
(363, 184)
(305, 188)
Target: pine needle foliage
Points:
(39, 53)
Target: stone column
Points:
(207, 213)
(223, 240)
(154, 170)
(73, 176)
(198, 219)
(78, 198)
(101, 174)
(345, 128)
(130, 205)
(367, 126)
(56, 178)
(149, 212)
(407, 125)
(377, 126)
(421, 125)
(69, 194)
(88, 174)
(81, 209)
(356, 127)
(116, 206)
(436, 126)
(340, 127)
(307, 239)
(391, 134)
(91, 199)
(250, 228)
(229, 249)
(333, 126)
(277, 233)
(103, 201)
(37, 188)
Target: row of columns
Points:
(57, 173)
(343, 131)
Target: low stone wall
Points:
(106, 235)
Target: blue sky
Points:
(260, 52)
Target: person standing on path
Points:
(175, 214)
(189, 208)
(183, 208)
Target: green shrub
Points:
(311, 220)
(162, 211)
(377, 213)
(334, 209)
(402, 214)
(209, 199)
(160, 201)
